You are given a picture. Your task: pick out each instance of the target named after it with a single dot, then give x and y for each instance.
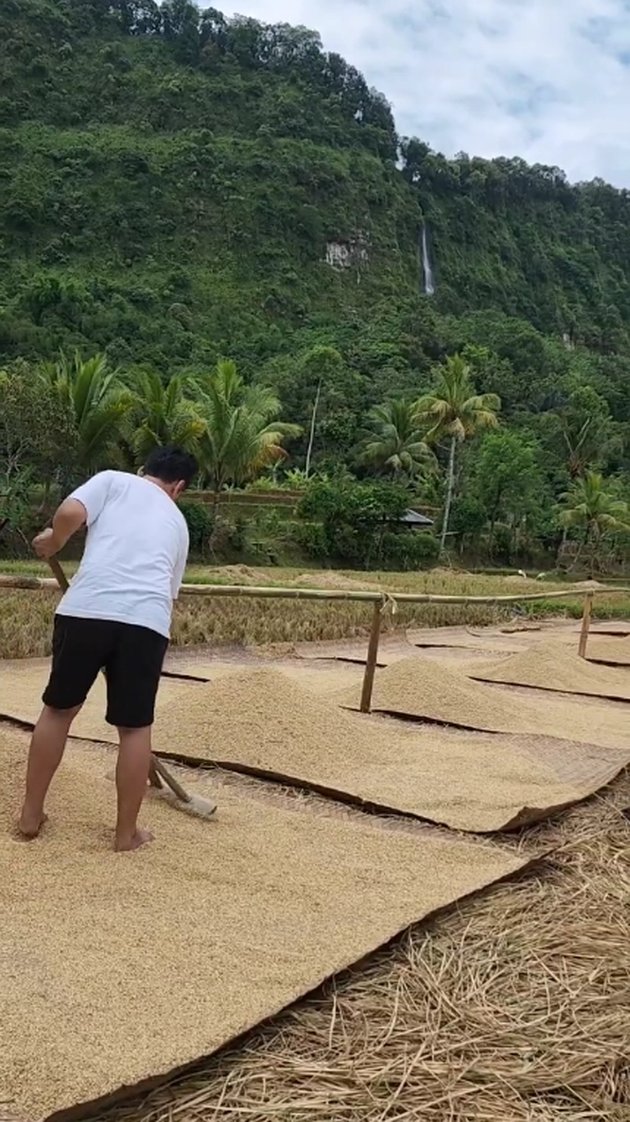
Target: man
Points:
(116, 616)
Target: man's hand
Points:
(46, 544)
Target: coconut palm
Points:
(590, 506)
(456, 412)
(397, 442)
(97, 401)
(242, 435)
(165, 414)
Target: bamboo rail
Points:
(380, 600)
(11, 580)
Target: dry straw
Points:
(514, 1007)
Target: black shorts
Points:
(131, 657)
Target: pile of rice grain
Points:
(425, 689)
(262, 721)
(609, 650)
(551, 666)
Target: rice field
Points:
(25, 618)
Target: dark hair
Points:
(171, 465)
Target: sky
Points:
(547, 80)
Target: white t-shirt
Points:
(135, 555)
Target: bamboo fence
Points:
(381, 601)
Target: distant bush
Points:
(353, 523)
(200, 524)
(408, 550)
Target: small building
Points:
(416, 521)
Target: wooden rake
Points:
(160, 777)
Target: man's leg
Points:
(133, 677)
(45, 753)
(132, 774)
(77, 654)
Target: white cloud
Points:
(548, 80)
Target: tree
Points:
(242, 435)
(37, 440)
(320, 392)
(97, 401)
(591, 505)
(164, 414)
(353, 518)
(456, 412)
(397, 443)
(587, 431)
(509, 482)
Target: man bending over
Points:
(116, 616)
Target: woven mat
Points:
(262, 721)
(116, 970)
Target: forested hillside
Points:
(176, 188)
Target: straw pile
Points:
(551, 666)
(118, 968)
(261, 721)
(512, 1008)
(423, 689)
(238, 574)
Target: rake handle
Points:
(158, 774)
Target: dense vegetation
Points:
(178, 188)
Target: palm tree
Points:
(164, 414)
(455, 411)
(397, 443)
(97, 401)
(242, 435)
(588, 505)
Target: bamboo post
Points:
(372, 654)
(586, 624)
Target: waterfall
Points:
(427, 271)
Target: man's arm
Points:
(180, 566)
(67, 519)
(82, 507)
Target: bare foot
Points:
(125, 844)
(29, 828)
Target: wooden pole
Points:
(586, 624)
(372, 654)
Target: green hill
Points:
(176, 186)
